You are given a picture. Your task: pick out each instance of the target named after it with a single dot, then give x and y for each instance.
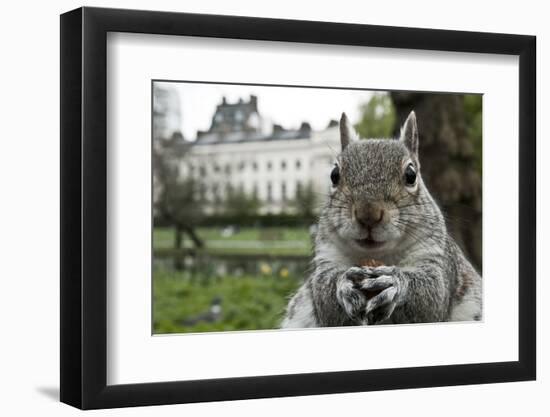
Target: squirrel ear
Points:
(347, 135)
(409, 134)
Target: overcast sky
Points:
(286, 106)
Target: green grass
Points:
(248, 303)
(163, 237)
(275, 241)
(264, 251)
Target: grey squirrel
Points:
(379, 208)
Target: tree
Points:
(474, 119)
(306, 202)
(240, 204)
(450, 155)
(177, 199)
(377, 117)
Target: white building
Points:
(239, 153)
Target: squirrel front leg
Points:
(337, 299)
(407, 295)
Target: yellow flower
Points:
(265, 269)
(283, 273)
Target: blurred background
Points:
(239, 175)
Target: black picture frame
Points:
(84, 207)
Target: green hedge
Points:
(255, 220)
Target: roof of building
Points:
(237, 137)
(240, 122)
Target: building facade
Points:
(240, 153)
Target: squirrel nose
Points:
(369, 214)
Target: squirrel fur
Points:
(379, 208)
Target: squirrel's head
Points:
(376, 189)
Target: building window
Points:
(269, 166)
(216, 168)
(298, 164)
(255, 166)
(202, 170)
(298, 189)
(255, 190)
(269, 192)
(283, 165)
(283, 191)
(241, 166)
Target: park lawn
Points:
(164, 236)
(275, 241)
(248, 303)
(263, 251)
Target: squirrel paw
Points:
(349, 296)
(387, 284)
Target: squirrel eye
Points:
(335, 175)
(410, 175)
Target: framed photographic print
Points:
(247, 203)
